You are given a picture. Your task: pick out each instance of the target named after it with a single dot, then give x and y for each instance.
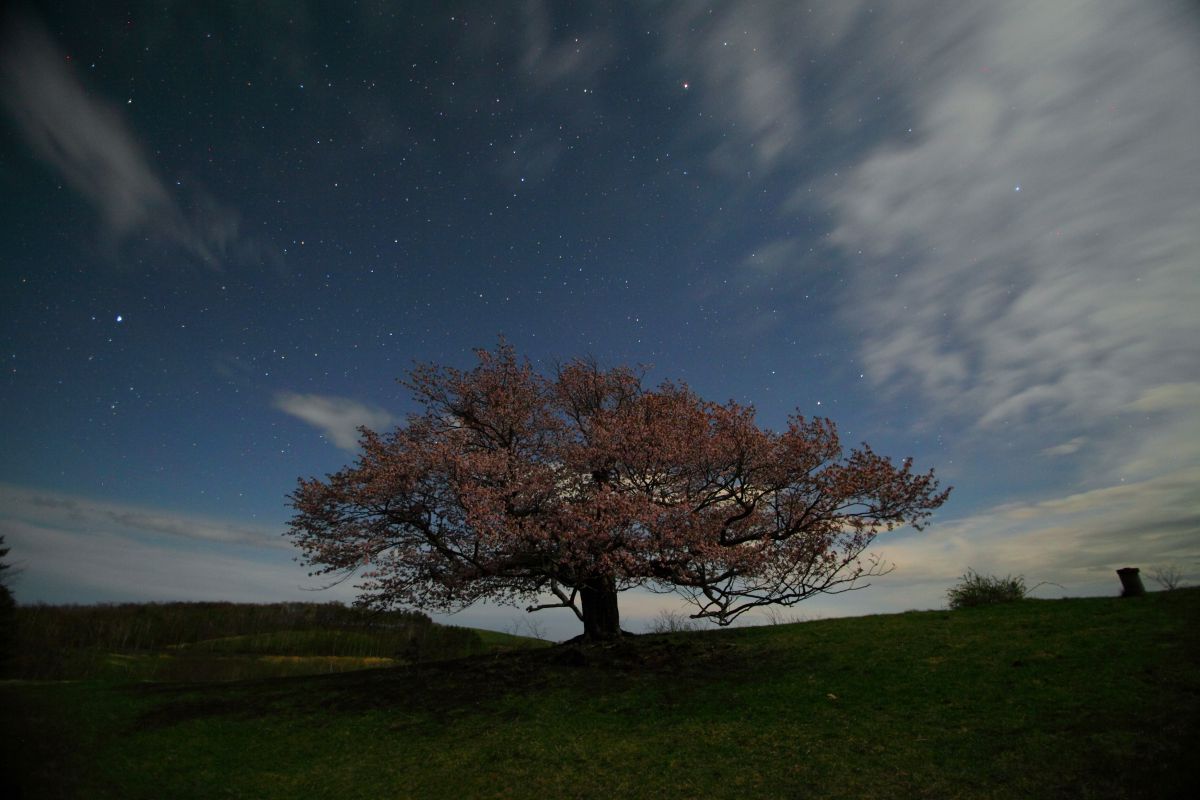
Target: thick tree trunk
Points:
(601, 619)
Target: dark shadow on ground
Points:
(447, 687)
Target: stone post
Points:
(1131, 582)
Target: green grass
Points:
(1083, 698)
(496, 641)
(341, 643)
(307, 643)
(229, 641)
(264, 655)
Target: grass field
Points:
(1080, 698)
(230, 641)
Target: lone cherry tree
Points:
(563, 491)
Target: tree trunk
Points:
(601, 619)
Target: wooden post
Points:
(1131, 582)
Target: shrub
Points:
(669, 621)
(1168, 576)
(8, 609)
(974, 589)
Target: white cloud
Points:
(1063, 300)
(549, 60)
(1078, 540)
(336, 417)
(69, 564)
(57, 509)
(1066, 448)
(1160, 432)
(1027, 253)
(745, 65)
(71, 549)
(1168, 397)
(774, 257)
(87, 140)
(1023, 260)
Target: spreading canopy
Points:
(514, 486)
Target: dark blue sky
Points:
(968, 235)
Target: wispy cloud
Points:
(1033, 244)
(549, 60)
(1023, 235)
(338, 418)
(747, 64)
(1066, 448)
(67, 563)
(1077, 540)
(1018, 238)
(1073, 544)
(57, 509)
(775, 257)
(88, 142)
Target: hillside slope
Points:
(1042, 699)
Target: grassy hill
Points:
(1096, 698)
(231, 641)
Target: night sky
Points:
(967, 232)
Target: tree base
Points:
(583, 638)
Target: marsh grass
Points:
(1094, 698)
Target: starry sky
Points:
(967, 232)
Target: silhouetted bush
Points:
(669, 621)
(1169, 576)
(8, 626)
(8, 610)
(974, 589)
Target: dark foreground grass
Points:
(1086, 698)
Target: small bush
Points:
(974, 589)
(669, 621)
(1168, 576)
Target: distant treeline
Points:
(57, 641)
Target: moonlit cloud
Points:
(70, 563)
(1064, 301)
(549, 60)
(1061, 301)
(748, 64)
(60, 510)
(775, 257)
(87, 140)
(1021, 229)
(338, 418)
(1066, 448)
(1077, 540)
(1065, 308)
(1168, 397)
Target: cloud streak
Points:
(1032, 248)
(88, 142)
(338, 418)
(1077, 540)
(549, 60)
(1022, 224)
(65, 564)
(1018, 236)
(56, 509)
(741, 62)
